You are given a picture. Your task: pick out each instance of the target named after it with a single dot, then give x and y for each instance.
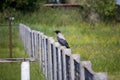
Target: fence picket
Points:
(59, 64)
(75, 67)
(40, 48)
(54, 61)
(50, 59)
(100, 76)
(45, 53)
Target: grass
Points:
(12, 71)
(99, 43)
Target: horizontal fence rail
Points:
(56, 61)
(2, 60)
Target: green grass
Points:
(12, 71)
(99, 44)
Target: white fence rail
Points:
(57, 62)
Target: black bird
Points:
(61, 39)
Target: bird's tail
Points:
(67, 46)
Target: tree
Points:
(23, 5)
(105, 7)
(102, 7)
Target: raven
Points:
(61, 39)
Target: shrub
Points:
(105, 8)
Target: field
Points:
(12, 71)
(98, 43)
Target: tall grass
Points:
(99, 44)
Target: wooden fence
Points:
(57, 62)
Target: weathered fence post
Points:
(33, 43)
(29, 42)
(65, 63)
(67, 53)
(83, 65)
(25, 71)
(59, 63)
(57, 60)
(54, 61)
(36, 43)
(100, 76)
(50, 58)
(45, 53)
(75, 67)
(40, 48)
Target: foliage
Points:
(23, 5)
(105, 8)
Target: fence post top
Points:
(86, 62)
(25, 63)
(88, 66)
(20, 24)
(41, 33)
(44, 36)
(64, 48)
(66, 51)
(10, 18)
(37, 32)
(56, 44)
(101, 73)
(51, 39)
(76, 57)
(34, 31)
(100, 76)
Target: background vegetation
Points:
(102, 7)
(99, 43)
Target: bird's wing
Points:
(60, 36)
(63, 42)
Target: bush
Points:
(105, 8)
